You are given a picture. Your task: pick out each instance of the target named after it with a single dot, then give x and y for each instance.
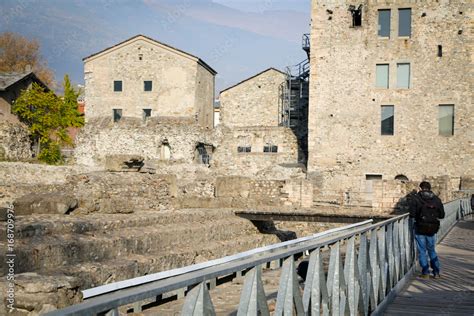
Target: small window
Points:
(146, 114)
(440, 50)
(446, 120)
(148, 85)
(402, 178)
(384, 23)
(117, 85)
(270, 149)
(244, 149)
(117, 114)
(356, 15)
(382, 76)
(403, 76)
(140, 56)
(387, 120)
(373, 177)
(404, 22)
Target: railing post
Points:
(374, 269)
(351, 275)
(253, 300)
(364, 275)
(289, 296)
(336, 283)
(198, 302)
(315, 296)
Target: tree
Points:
(17, 53)
(48, 118)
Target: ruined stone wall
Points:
(176, 79)
(101, 138)
(345, 141)
(234, 162)
(14, 141)
(254, 102)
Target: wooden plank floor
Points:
(453, 294)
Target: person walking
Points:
(426, 209)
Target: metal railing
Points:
(367, 264)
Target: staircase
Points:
(86, 251)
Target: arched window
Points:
(165, 150)
(402, 178)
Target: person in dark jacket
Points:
(426, 209)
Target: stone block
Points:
(45, 203)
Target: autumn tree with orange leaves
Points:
(18, 53)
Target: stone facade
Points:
(254, 101)
(182, 85)
(14, 141)
(170, 140)
(227, 155)
(347, 153)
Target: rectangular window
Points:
(270, 149)
(356, 15)
(146, 114)
(373, 177)
(381, 76)
(244, 149)
(148, 85)
(387, 120)
(117, 85)
(404, 22)
(117, 114)
(403, 76)
(384, 23)
(446, 120)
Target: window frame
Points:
(115, 87)
(379, 25)
(270, 149)
(382, 132)
(409, 75)
(145, 85)
(144, 113)
(244, 149)
(440, 106)
(388, 76)
(399, 22)
(114, 115)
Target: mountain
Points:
(235, 42)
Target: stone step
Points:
(61, 286)
(61, 250)
(42, 225)
(94, 274)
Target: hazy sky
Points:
(238, 38)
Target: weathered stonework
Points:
(253, 102)
(345, 141)
(131, 136)
(14, 141)
(182, 84)
(234, 162)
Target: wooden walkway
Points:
(453, 293)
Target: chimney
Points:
(28, 68)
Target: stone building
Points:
(250, 112)
(254, 101)
(390, 96)
(148, 99)
(14, 136)
(11, 86)
(144, 78)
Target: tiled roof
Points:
(9, 78)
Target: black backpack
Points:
(427, 222)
